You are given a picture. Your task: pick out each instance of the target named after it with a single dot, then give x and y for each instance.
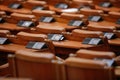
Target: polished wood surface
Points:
(71, 19)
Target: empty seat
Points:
(18, 22)
(46, 26)
(74, 41)
(91, 54)
(24, 7)
(35, 5)
(90, 12)
(86, 33)
(106, 5)
(82, 4)
(58, 6)
(66, 17)
(49, 29)
(23, 38)
(69, 6)
(13, 6)
(19, 16)
(35, 65)
(84, 69)
(26, 37)
(41, 13)
(20, 41)
(65, 21)
(99, 21)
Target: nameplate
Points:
(26, 23)
(61, 5)
(105, 4)
(118, 21)
(56, 37)
(92, 41)
(76, 23)
(95, 18)
(15, 6)
(2, 20)
(110, 35)
(3, 40)
(109, 62)
(37, 45)
(47, 19)
(38, 8)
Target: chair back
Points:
(34, 65)
(85, 69)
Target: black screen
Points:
(36, 45)
(105, 4)
(46, 19)
(3, 40)
(38, 8)
(56, 37)
(76, 23)
(61, 5)
(95, 18)
(15, 6)
(25, 23)
(92, 41)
